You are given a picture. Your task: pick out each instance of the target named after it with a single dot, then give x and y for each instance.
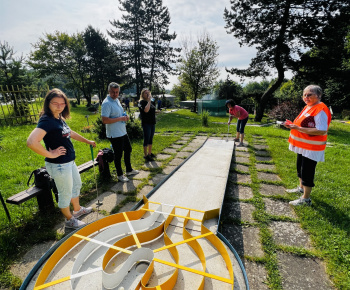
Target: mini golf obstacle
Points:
(170, 240)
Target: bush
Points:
(286, 110)
(133, 128)
(205, 118)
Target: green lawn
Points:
(327, 221)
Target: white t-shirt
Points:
(321, 121)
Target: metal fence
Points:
(20, 105)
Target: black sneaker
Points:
(152, 155)
(148, 158)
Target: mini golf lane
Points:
(169, 242)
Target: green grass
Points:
(327, 221)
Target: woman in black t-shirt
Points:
(60, 155)
(148, 119)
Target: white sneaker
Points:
(82, 211)
(297, 189)
(301, 201)
(133, 172)
(123, 178)
(74, 223)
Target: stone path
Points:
(243, 224)
(252, 181)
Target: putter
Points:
(98, 203)
(228, 132)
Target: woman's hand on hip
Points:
(57, 152)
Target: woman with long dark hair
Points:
(60, 155)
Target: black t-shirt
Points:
(150, 116)
(57, 134)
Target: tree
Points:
(280, 31)
(14, 74)
(13, 70)
(327, 64)
(228, 89)
(104, 63)
(179, 91)
(161, 54)
(143, 40)
(198, 67)
(59, 54)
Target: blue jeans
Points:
(241, 124)
(148, 133)
(67, 180)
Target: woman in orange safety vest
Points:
(308, 138)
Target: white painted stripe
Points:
(77, 275)
(308, 141)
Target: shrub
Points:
(133, 128)
(286, 110)
(205, 118)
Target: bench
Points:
(44, 196)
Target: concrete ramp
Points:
(200, 182)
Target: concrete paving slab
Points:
(238, 150)
(242, 178)
(170, 150)
(239, 191)
(262, 153)
(272, 190)
(261, 147)
(153, 164)
(239, 210)
(176, 161)
(143, 174)
(242, 154)
(109, 200)
(302, 273)
(183, 154)
(181, 142)
(290, 234)
(167, 170)
(279, 208)
(262, 166)
(144, 191)
(240, 167)
(157, 178)
(163, 156)
(125, 186)
(28, 261)
(257, 275)
(268, 176)
(176, 146)
(241, 159)
(263, 158)
(245, 240)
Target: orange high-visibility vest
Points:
(306, 141)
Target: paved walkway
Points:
(239, 223)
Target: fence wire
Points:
(20, 105)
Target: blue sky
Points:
(23, 22)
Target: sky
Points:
(23, 22)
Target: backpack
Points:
(42, 178)
(108, 155)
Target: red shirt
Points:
(235, 109)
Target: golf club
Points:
(98, 203)
(228, 132)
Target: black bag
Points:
(42, 178)
(108, 155)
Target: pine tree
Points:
(143, 41)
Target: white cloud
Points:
(23, 22)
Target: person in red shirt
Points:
(242, 116)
